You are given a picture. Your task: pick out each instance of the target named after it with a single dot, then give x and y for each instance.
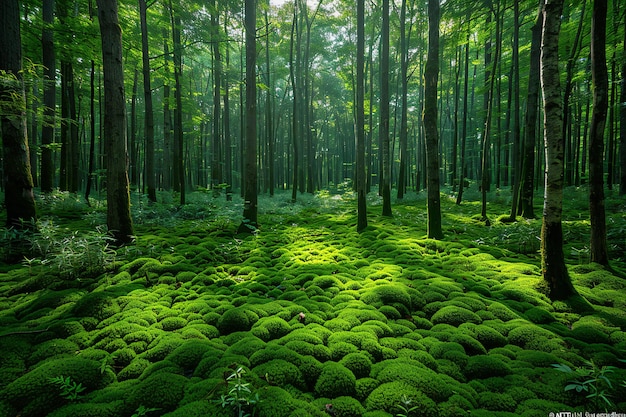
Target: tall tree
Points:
(119, 220)
(383, 129)
(178, 166)
(360, 116)
(429, 119)
(517, 166)
(530, 120)
(19, 199)
(250, 209)
(555, 272)
(459, 196)
(622, 124)
(49, 96)
(404, 80)
(147, 96)
(216, 171)
(600, 81)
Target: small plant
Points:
(239, 397)
(69, 389)
(592, 380)
(142, 411)
(405, 407)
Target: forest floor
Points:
(307, 317)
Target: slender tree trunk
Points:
(383, 129)
(147, 95)
(517, 145)
(119, 220)
(19, 199)
(459, 196)
(178, 165)
(92, 130)
(269, 121)
(49, 97)
(167, 160)
(555, 272)
(429, 119)
(599, 78)
(132, 142)
(360, 116)
(404, 92)
(250, 220)
(217, 157)
(293, 64)
(531, 117)
(228, 157)
(622, 124)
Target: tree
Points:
(555, 272)
(147, 95)
(600, 81)
(119, 220)
(622, 124)
(18, 194)
(429, 118)
(49, 96)
(383, 130)
(360, 116)
(250, 221)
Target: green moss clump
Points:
(340, 349)
(335, 381)
(387, 294)
(489, 337)
(99, 305)
(359, 363)
(280, 373)
(388, 396)
(527, 334)
(455, 316)
(53, 348)
(495, 401)
(590, 334)
(162, 346)
(189, 354)
(415, 374)
(236, 319)
(269, 328)
(486, 366)
(170, 324)
(539, 316)
(347, 407)
(162, 390)
(133, 370)
(201, 408)
(90, 409)
(275, 401)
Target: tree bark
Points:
(530, 121)
(178, 166)
(360, 116)
(119, 220)
(404, 61)
(147, 96)
(250, 220)
(18, 181)
(429, 119)
(383, 129)
(554, 271)
(49, 97)
(459, 196)
(622, 124)
(216, 161)
(599, 79)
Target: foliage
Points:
(591, 380)
(239, 396)
(68, 388)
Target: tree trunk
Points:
(360, 116)
(555, 272)
(49, 97)
(166, 168)
(622, 124)
(429, 119)
(516, 154)
(599, 78)
(459, 196)
(147, 95)
(216, 161)
(92, 131)
(293, 65)
(228, 168)
(250, 220)
(178, 166)
(383, 129)
(530, 122)
(18, 181)
(119, 220)
(404, 61)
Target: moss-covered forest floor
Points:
(307, 317)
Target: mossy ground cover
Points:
(322, 320)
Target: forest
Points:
(313, 208)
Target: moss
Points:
(98, 305)
(236, 319)
(112, 409)
(346, 407)
(280, 373)
(488, 336)
(455, 316)
(275, 401)
(161, 347)
(162, 390)
(335, 380)
(268, 328)
(486, 366)
(199, 408)
(387, 294)
(471, 345)
(494, 401)
(539, 316)
(538, 358)
(53, 348)
(189, 354)
(133, 370)
(388, 396)
(170, 324)
(415, 374)
(246, 346)
(525, 334)
(359, 363)
(274, 351)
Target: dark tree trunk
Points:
(49, 97)
(119, 220)
(228, 157)
(250, 220)
(178, 166)
(404, 61)
(18, 181)
(383, 129)
(293, 69)
(92, 131)
(167, 160)
(216, 161)
(555, 272)
(530, 121)
(599, 78)
(516, 153)
(147, 96)
(360, 116)
(429, 119)
(622, 124)
(459, 196)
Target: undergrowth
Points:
(306, 317)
